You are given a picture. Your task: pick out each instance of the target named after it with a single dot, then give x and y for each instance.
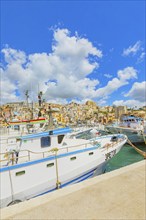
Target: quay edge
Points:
(120, 194)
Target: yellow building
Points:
(120, 110)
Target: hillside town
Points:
(73, 113)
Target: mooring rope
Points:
(144, 137)
(137, 149)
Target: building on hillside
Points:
(91, 104)
(15, 104)
(120, 110)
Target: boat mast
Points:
(40, 98)
(27, 96)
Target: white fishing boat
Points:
(43, 162)
(132, 126)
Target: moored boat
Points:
(40, 163)
(132, 126)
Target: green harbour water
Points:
(126, 156)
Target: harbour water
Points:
(126, 156)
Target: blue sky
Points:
(74, 51)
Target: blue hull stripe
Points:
(78, 179)
(65, 184)
(3, 169)
(86, 177)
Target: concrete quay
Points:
(120, 194)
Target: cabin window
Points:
(20, 173)
(91, 153)
(73, 158)
(50, 164)
(17, 127)
(45, 142)
(60, 138)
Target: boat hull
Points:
(23, 181)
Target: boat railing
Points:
(112, 144)
(85, 145)
(10, 131)
(15, 156)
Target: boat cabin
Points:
(132, 121)
(38, 142)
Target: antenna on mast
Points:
(27, 96)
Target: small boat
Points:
(132, 126)
(40, 163)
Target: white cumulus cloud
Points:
(137, 94)
(63, 73)
(114, 84)
(129, 103)
(138, 91)
(127, 73)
